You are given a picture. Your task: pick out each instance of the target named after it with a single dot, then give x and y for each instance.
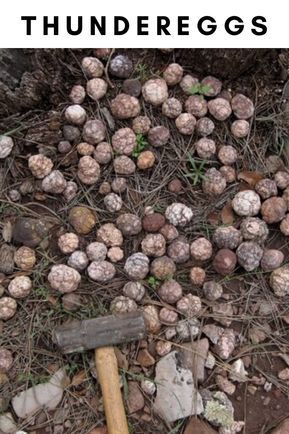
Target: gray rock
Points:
(193, 356)
(7, 424)
(176, 394)
(218, 409)
(188, 329)
(47, 395)
(213, 332)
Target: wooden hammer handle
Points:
(107, 375)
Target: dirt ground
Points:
(37, 124)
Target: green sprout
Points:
(153, 282)
(196, 171)
(141, 144)
(200, 89)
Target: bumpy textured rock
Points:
(168, 316)
(155, 91)
(6, 360)
(85, 149)
(93, 131)
(82, 219)
(186, 123)
(173, 74)
(77, 94)
(220, 109)
(240, 129)
(176, 395)
(279, 281)
(229, 173)
(205, 148)
(172, 108)
(6, 146)
(225, 262)
(75, 114)
(197, 276)
(227, 155)
(134, 290)
(20, 287)
(124, 165)
(8, 307)
(146, 160)
(272, 259)
(187, 83)
(254, 229)
(189, 305)
(101, 271)
(110, 235)
(70, 191)
(170, 232)
(189, 328)
(179, 214)
(115, 254)
(96, 88)
(112, 202)
(63, 278)
(141, 124)
(54, 182)
(170, 291)
(242, 106)
(284, 225)
(249, 255)
(121, 66)
(179, 250)
(40, 165)
(103, 153)
(246, 203)
(25, 258)
(92, 67)
(78, 260)
(132, 86)
(227, 237)
(124, 141)
(273, 210)
(119, 185)
(158, 136)
(163, 268)
(29, 231)
(212, 290)
(266, 188)
(151, 317)
(213, 183)
(137, 266)
(129, 224)
(68, 242)
(64, 147)
(226, 344)
(163, 348)
(282, 179)
(153, 222)
(205, 126)
(196, 105)
(6, 259)
(201, 249)
(96, 251)
(88, 170)
(212, 86)
(154, 245)
(125, 106)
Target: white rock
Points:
(7, 424)
(176, 394)
(6, 145)
(238, 372)
(47, 395)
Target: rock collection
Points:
(191, 332)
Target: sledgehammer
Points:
(101, 334)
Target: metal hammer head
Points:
(100, 332)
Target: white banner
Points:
(143, 24)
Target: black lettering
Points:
(28, 20)
(238, 28)
(79, 26)
(262, 27)
(162, 24)
(54, 25)
(117, 21)
(101, 27)
(182, 26)
(210, 28)
(141, 25)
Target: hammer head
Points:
(100, 332)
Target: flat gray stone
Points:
(7, 424)
(193, 356)
(47, 395)
(176, 394)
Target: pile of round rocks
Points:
(170, 312)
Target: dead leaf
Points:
(7, 232)
(79, 378)
(227, 214)
(250, 177)
(214, 218)
(197, 426)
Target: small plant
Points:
(153, 282)
(200, 89)
(141, 144)
(41, 292)
(142, 71)
(196, 170)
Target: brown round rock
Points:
(272, 259)
(273, 210)
(225, 262)
(158, 136)
(163, 268)
(132, 86)
(153, 222)
(242, 106)
(175, 186)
